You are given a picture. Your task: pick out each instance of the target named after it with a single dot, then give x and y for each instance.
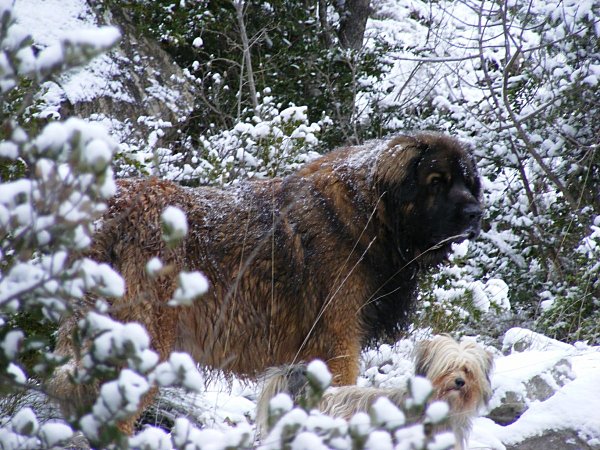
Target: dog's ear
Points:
(422, 357)
(489, 366)
(489, 363)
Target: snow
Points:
(574, 406)
(281, 403)
(11, 343)
(582, 414)
(360, 424)
(307, 441)
(379, 440)
(292, 418)
(420, 389)
(151, 438)
(54, 22)
(190, 286)
(318, 372)
(120, 398)
(52, 56)
(385, 413)
(52, 433)
(16, 373)
(25, 421)
(410, 438)
(8, 150)
(103, 278)
(113, 339)
(99, 38)
(180, 370)
(442, 441)
(97, 155)
(118, 338)
(492, 292)
(437, 411)
(65, 15)
(174, 221)
(154, 266)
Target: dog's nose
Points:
(459, 382)
(472, 211)
(472, 214)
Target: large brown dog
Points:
(313, 265)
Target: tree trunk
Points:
(353, 20)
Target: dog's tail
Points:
(290, 379)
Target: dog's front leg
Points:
(345, 364)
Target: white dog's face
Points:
(459, 372)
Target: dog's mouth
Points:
(453, 394)
(457, 385)
(453, 388)
(473, 230)
(470, 232)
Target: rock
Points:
(513, 405)
(539, 387)
(141, 88)
(554, 440)
(543, 386)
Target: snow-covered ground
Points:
(574, 405)
(571, 372)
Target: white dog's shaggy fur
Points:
(459, 373)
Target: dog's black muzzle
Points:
(472, 214)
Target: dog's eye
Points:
(435, 179)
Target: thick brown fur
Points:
(313, 265)
(459, 373)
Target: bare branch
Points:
(239, 10)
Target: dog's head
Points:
(431, 190)
(459, 372)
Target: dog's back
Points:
(342, 401)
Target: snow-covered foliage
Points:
(174, 224)
(60, 178)
(23, 431)
(519, 82)
(55, 185)
(55, 182)
(273, 141)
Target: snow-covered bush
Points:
(236, 50)
(519, 82)
(55, 181)
(54, 185)
(272, 141)
(454, 296)
(573, 313)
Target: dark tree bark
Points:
(353, 20)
